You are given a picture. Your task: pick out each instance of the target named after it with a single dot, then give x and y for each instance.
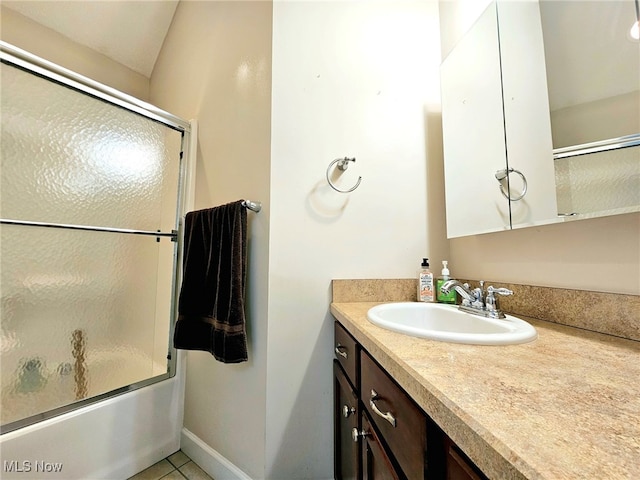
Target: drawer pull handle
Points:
(340, 350)
(347, 410)
(387, 416)
(356, 434)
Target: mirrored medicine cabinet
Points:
(541, 114)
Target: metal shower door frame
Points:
(24, 60)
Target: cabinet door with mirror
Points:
(473, 131)
(540, 119)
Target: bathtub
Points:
(112, 439)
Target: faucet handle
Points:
(492, 301)
(500, 291)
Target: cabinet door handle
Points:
(347, 410)
(340, 350)
(356, 434)
(387, 416)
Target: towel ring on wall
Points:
(502, 174)
(343, 164)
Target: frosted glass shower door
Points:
(83, 312)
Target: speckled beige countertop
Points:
(566, 406)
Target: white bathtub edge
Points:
(112, 439)
(210, 460)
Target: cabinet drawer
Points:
(346, 351)
(401, 423)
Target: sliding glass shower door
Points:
(89, 195)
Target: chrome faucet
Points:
(477, 300)
(469, 296)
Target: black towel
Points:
(211, 307)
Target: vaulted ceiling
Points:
(129, 32)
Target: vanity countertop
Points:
(565, 406)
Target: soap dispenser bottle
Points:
(425, 282)
(450, 297)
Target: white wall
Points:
(357, 79)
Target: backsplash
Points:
(608, 313)
(382, 290)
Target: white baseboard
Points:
(211, 461)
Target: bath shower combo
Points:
(92, 196)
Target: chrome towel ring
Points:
(502, 174)
(343, 164)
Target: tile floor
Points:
(175, 467)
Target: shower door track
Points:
(32, 63)
(173, 235)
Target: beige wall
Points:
(215, 66)
(598, 120)
(28, 35)
(601, 254)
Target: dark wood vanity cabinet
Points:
(400, 422)
(346, 376)
(458, 466)
(380, 433)
(347, 353)
(347, 463)
(376, 464)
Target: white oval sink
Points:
(448, 324)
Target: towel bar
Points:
(254, 206)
